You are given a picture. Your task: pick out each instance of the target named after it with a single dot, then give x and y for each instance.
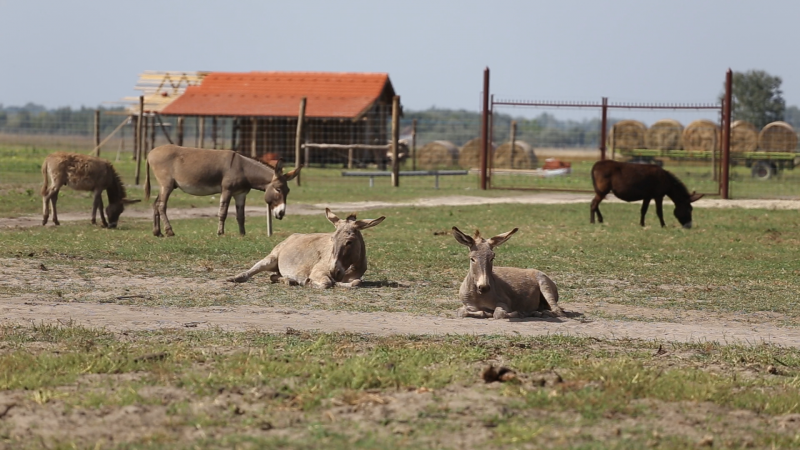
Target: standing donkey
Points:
(322, 259)
(201, 172)
(632, 182)
(502, 292)
(83, 173)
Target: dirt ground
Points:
(588, 319)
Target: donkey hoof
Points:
(500, 313)
(56, 222)
(170, 233)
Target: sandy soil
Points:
(587, 319)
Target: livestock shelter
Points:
(262, 110)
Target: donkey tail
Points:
(45, 176)
(147, 181)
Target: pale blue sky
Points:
(73, 53)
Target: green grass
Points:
(734, 260)
(309, 390)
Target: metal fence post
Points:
(485, 130)
(395, 139)
(726, 134)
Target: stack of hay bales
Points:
(744, 136)
(777, 137)
(521, 156)
(437, 155)
(469, 157)
(701, 135)
(627, 135)
(666, 134)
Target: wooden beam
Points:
(163, 128)
(253, 138)
(395, 140)
(138, 150)
(347, 146)
(179, 138)
(96, 132)
(298, 137)
(214, 132)
(202, 131)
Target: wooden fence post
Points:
(414, 144)
(395, 140)
(179, 138)
(513, 138)
(139, 140)
(96, 132)
(152, 136)
(298, 137)
(253, 139)
(202, 131)
(214, 131)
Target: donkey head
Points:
(278, 189)
(347, 244)
(115, 209)
(481, 255)
(683, 210)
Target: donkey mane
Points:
(116, 190)
(678, 188)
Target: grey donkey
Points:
(321, 259)
(502, 292)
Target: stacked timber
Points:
(521, 156)
(701, 135)
(469, 157)
(777, 137)
(666, 134)
(437, 155)
(627, 135)
(744, 136)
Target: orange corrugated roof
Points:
(328, 94)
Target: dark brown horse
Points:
(632, 182)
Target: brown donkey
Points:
(502, 292)
(632, 182)
(200, 172)
(83, 173)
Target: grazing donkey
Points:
(83, 173)
(632, 182)
(502, 292)
(322, 259)
(206, 172)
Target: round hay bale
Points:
(437, 155)
(701, 135)
(469, 157)
(666, 134)
(777, 137)
(744, 136)
(627, 135)
(519, 157)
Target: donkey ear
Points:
(331, 216)
(367, 223)
(291, 175)
(462, 238)
(127, 201)
(695, 197)
(501, 238)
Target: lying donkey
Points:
(83, 173)
(322, 259)
(502, 292)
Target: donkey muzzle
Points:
(279, 211)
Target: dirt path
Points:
(545, 198)
(695, 326)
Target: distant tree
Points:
(757, 98)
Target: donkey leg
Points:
(224, 202)
(270, 263)
(471, 311)
(660, 210)
(54, 201)
(595, 208)
(240, 199)
(156, 218)
(163, 197)
(45, 207)
(645, 205)
(99, 201)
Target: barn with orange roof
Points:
(262, 109)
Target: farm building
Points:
(259, 111)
